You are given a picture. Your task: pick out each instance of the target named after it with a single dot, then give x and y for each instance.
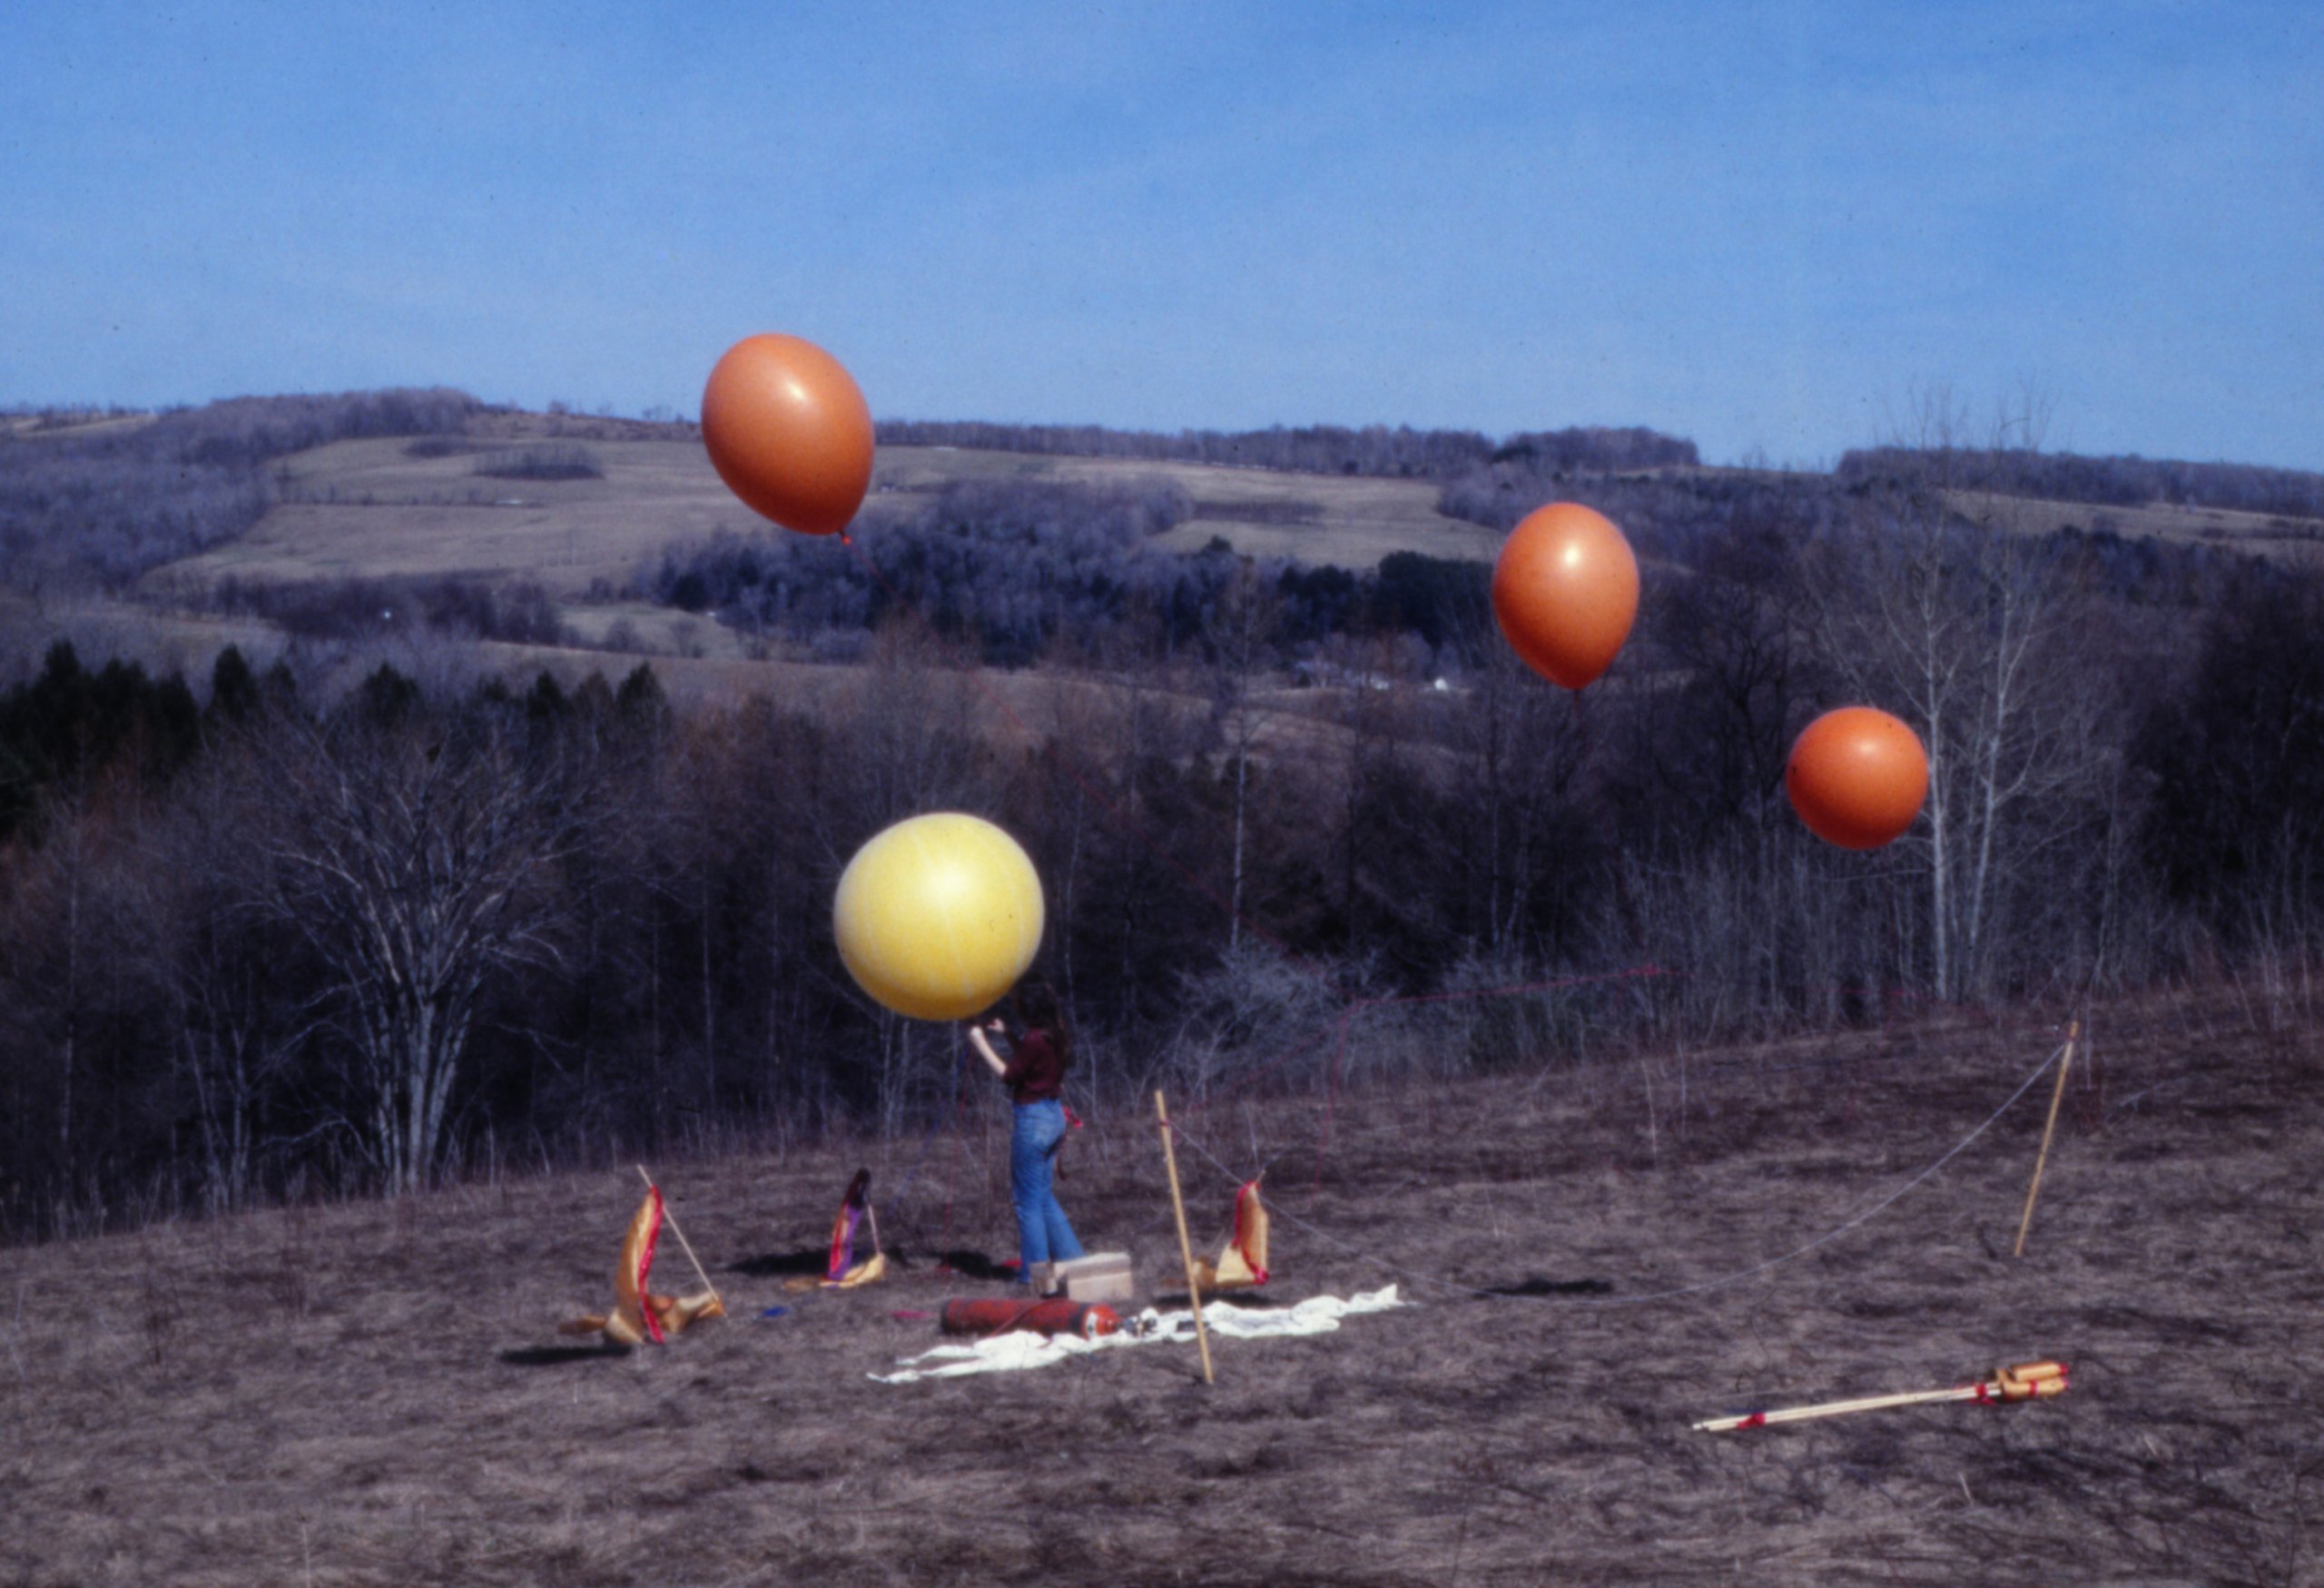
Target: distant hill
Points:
(548, 525)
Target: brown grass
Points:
(370, 510)
(2259, 534)
(375, 1393)
(71, 424)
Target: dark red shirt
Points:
(1035, 1072)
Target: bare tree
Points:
(238, 1018)
(1242, 633)
(1519, 751)
(415, 858)
(915, 721)
(79, 918)
(1937, 612)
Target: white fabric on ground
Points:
(1019, 1350)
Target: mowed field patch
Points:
(370, 509)
(2267, 534)
(382, 508)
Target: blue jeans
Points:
(1042, 1233)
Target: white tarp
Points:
(1014, 1352)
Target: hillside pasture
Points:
(1596, 1255)
(388, 509)
(40, 423)
(1344, 520)
(370, 509)
(2259, 534)
(379, 508)
(382, 509)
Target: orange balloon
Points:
(1565, 591)
(1856, 777)
(789, 432)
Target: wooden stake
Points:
(672, 1220)
(1186, 1247)
(2056, 1097)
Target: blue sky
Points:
(1774, 228)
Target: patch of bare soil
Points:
(376, 1394)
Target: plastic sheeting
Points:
(1017, 1352)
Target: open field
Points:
(393, 508)
(370, 509)
(1345, 520)
(2260, 533)
(375, 1393)
(13, 425)
(2211, 527)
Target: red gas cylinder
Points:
(1057, 1316)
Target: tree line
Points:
(1025, 570)
(259, 941)
(1370, 450)
(2122, 482)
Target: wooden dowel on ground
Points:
(2057, 1096)
(1186, 1247)
(2028, 1381)
(1872, 1403)
(684, 1245)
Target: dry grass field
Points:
(2261, 534)
(67, 424)
(371, 509)
(1344, 520)
(380, 509)
(376, 1393)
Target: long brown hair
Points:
(1037, 1009)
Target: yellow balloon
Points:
(938, 916)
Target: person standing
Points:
(1034, 1073)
